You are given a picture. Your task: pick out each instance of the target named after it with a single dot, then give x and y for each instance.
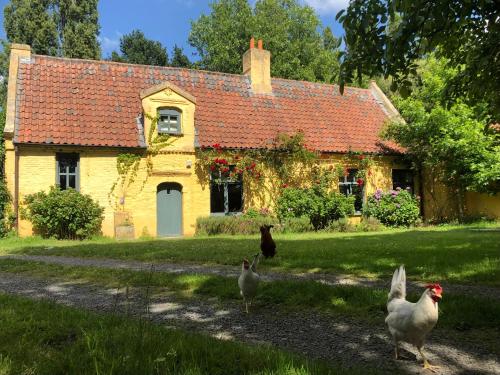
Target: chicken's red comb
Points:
(434, 286)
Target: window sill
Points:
(171, 134)
(226, 214)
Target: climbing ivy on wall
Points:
(128, 164)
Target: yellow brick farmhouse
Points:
(130, 136)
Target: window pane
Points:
(62, 166)
(352, 175)
(345, 189)
(216, 198)
(72, 181)
(62, 182)
(402, 178)
(357, 191)
(235, 197)
(163, 126)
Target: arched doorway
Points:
(169, 209)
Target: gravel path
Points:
(315, 335)
(230, 271)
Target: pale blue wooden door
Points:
(169, 210)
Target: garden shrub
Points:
(394, 208)
(320, 206)
(370, 224)
(295, 225)
(63, 214)
(340, 225)
(237, 224)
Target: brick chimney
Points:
(257, 64)
(17, 52)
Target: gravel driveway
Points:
(331, 338)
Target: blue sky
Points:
(170, 21)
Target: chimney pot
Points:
(260, 44)
(252, 42)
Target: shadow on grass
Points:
(458, 255)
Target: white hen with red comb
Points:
(411, 322)
(249, 280)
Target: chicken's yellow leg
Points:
(427, 365)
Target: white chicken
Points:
(249, 280)
(411, 322)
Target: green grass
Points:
(459, 254)
(457, 311)
(47, 339)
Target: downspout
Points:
(16, 187)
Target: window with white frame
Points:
(169, 121)
(226, 194)
(348, 185)
(403, 178)
(68, 171)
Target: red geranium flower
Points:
(360, 181)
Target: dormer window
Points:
(169, 121)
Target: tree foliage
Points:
(78, 26)
(292, 32)
(455, 141)
(137, 49)
(388, 37)
(179, 59)
(54, 27)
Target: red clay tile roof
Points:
(97, 103)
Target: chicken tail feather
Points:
(398, 284)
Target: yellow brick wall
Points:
(483, 204)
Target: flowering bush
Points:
(393, 208)
(232, 165)
(319, 205)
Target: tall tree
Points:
(137, 49)
(388, 37)
(179, 59)
(289, 30)
(452, 141)
(222, 37)
(30, 22)
(78, 25)
(54, 27)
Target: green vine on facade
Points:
(127, 164)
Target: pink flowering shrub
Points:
(395, 208)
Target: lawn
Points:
(47, 339)
(461, 254)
